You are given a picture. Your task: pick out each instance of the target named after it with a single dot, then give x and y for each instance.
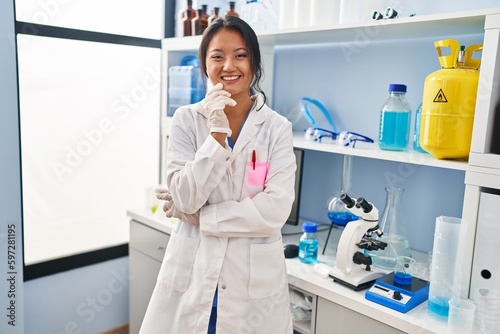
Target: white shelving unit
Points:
(482, 169)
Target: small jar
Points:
(308, 245)
(395, 117)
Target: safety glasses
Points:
(318, 134)
(346, 138)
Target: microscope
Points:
(354, 268)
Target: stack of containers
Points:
(185, 86)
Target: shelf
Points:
(450, 24)
(373, 152)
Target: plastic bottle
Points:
(416, 132)
(308, 245)
(395, 117)
(231, 11)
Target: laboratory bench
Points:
(335, 308)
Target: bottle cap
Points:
(309, 227)
(397, 88)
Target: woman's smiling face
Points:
(228, 62)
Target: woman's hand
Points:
(213, 108)
(171, 210)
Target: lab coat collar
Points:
(257, 115)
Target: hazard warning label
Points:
(440, 97)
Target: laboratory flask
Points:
(337, 212)
(392, 224)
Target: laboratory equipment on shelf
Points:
(395, 118)
(308, 245)
(448, 256)
(338, 214)
(392, 222)
(416, 132)
(399, 290)
(259, 14)
(449, 102)
(354, 268)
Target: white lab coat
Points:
(237, 247)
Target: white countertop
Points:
(417, 320)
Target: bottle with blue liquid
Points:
(395, 117)
(308, 245)
(416, 133)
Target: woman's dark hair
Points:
(252, 45)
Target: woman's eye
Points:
(240, 56)
(216, 57)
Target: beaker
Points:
(392, 225)
(447, 263)
(402, 273)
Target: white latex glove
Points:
(213, 108)
(171, 210)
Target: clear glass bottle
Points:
(214, 16)
(392, 225)
(337, 211)
(231, 11)
(308, 245)
(416, 132)
(395, 117)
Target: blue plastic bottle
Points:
(308, 245)
(395, 117)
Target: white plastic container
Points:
(324, 12)
(286, 14)
(302, 13)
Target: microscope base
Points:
(357, 280)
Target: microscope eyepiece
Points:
(364, 204)
(349, 202)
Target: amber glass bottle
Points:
(199, 23)
(231, 11)
(214, 16)
(187, 19)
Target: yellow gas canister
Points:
(449, 102)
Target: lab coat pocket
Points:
(267, 269)
(256, 176)
(177, 266)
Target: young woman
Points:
(230, 178)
